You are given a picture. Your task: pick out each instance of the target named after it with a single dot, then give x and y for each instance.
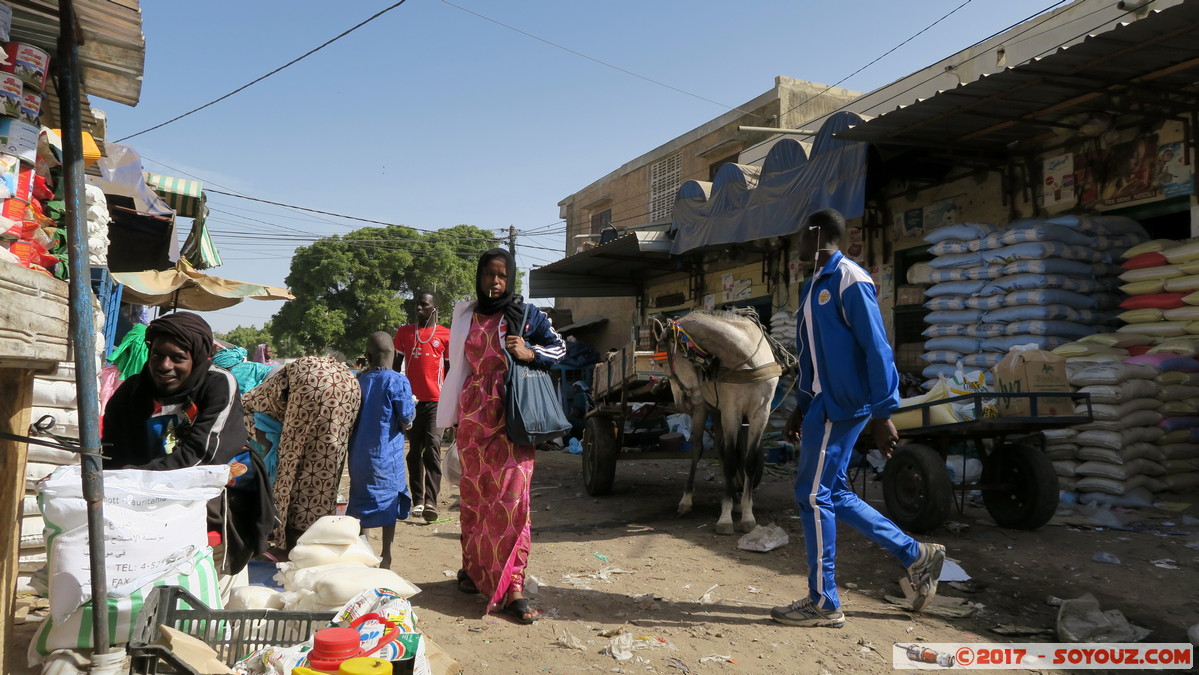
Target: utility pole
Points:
(512, 241)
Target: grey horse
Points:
(723, 362)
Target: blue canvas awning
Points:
(744, 204)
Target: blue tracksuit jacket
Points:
(842, 345)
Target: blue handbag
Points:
(534, 414)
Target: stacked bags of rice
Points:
(1161, 278)
(782, 328)
(1118, 451)
(1041, 282)
(1177, 367)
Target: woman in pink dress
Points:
(496, 474)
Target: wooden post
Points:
(16, 395)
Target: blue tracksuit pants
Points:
(824, 498)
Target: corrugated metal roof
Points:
(615, 269)
(113, 52)
(1154, 60)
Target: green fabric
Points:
(249, 374)
(228, 357)
(131, 355)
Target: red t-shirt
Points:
(424, 352)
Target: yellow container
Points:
(365, 666)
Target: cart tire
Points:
(916, 488)
(1026, 491)
(599, 455)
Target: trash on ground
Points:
(1081, 620)
(450, 574)
(620, 647)
(956, 527)
(763, 538)
(1105, 558)
(581, 580)
(942, 605)
(612, 632)
(971, 586)
(1054, 601)
(601, 556)
(532, 584)
(706, 598)
(952, 571)
(716, 658)
(1164, 563)
(565, 639)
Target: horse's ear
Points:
(657, 330)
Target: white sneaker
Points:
(806, 614)
(924, 574)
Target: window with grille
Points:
(600, 220)
(663, 185)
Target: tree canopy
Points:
(350, 286)
(250, 337)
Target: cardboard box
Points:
(1033, 371)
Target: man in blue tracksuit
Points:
(847, 376)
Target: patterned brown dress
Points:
(317, 399)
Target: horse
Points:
(723, 362)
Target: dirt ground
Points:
(692, 602)
(686, 595)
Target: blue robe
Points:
(378, 474)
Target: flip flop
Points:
(465, 584)
(520, 610)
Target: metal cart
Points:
(626, 377)
(1018, 483)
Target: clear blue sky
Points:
(431, 116)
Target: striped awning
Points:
(185, 196)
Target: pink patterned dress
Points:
(496, 474)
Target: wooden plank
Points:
(16, 396)
(34, 317)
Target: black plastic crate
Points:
(233, 633)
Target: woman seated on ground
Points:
(181, 411)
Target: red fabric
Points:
(1153, 259)
(1155, 301)
(424, 351)
(496, 474)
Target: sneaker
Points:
(924, 573)
(805, 613)
(429, 513)
(418, 510)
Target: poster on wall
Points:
(726, 287)
(795, 267)
(854, 250)
(940, 214)
(710, 301)
(1133, 172)
(1059, 180)
(743, 289)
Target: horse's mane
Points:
(736, 314)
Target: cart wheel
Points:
(916, 488)
(599, 455)
(1020, 487)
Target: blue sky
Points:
(431, 116)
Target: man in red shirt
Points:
(421, 352)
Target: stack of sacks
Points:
(1061, 449)
(957, 274)
(782, 329)
(1162, 279)
(1040, 282)
(1178, 378)
(330, 564)
(1117, 452)
(98, 219)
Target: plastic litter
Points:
(716, 658)
(1081, 620)
(952, 571)
(1106, 558)
(620, 647)
(1164, 563)
(569, 641)
(574, 447)
(763, 538)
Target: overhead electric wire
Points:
(603, 63)
(255, 81)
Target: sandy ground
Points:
(689, 601)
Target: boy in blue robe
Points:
(378, 474)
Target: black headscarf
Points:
(191, 333)
(511, 304)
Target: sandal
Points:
(520, 610)
(465, 584)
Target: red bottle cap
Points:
(331, 646)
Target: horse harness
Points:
(679, 342)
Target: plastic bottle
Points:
(356, 666)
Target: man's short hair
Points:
(830, 222)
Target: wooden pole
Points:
(16, 397)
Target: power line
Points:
(259, 79)
(602, 63)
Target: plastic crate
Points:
(233, 633)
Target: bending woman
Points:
(494, 490)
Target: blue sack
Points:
(531, 404)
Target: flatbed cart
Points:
(1018, 483)
(626, 377)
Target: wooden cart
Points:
(1018, 483)
(628, 376)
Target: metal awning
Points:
(1151, 62)
(593, 320)
(113, 52)
(615, 269)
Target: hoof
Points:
(684, 510)
(746, 526)
(724, 528)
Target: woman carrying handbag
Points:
(485, 334)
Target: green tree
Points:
(348, 287)
(248, 337)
